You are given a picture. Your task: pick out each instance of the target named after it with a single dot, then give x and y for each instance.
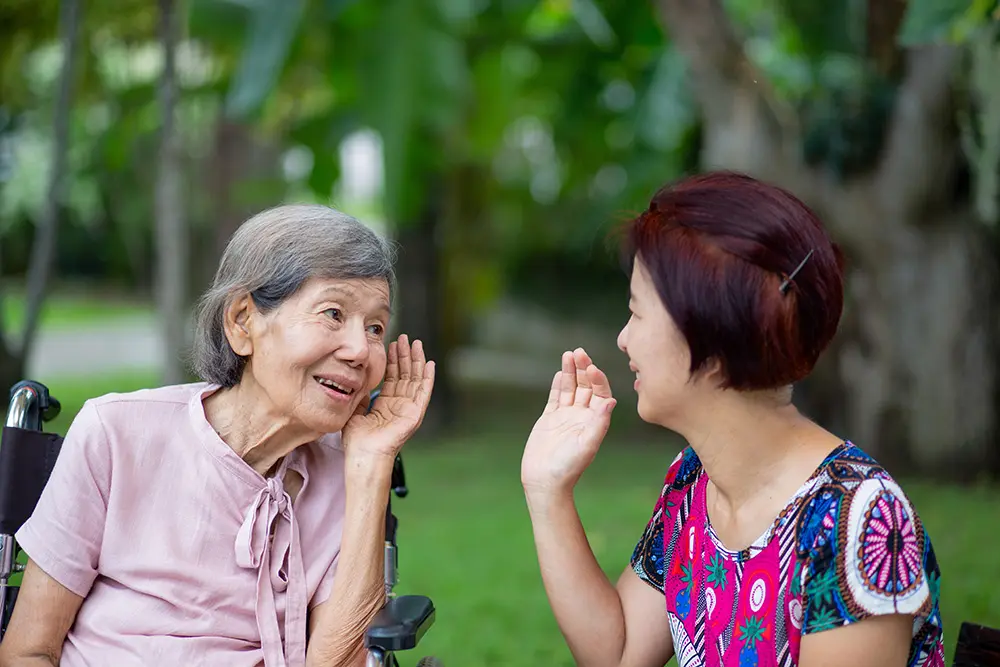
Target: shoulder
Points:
(166, 396)
(117, 426)
(683, 471)
(864, 548)
(143, 408)
(648, 556)
(850, 489)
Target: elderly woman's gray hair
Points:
(270, 256)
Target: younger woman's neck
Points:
(746, 441)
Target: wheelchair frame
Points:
(398, 626)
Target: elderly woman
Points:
(773, 541)
(238, 520)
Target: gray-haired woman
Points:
(239, 520)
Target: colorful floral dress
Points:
(848, 546)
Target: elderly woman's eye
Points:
(332, 312)
(376, 329)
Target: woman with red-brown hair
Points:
(773, 541)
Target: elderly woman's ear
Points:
(236, 323)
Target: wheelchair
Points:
(27, 457)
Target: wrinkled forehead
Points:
(368, 294)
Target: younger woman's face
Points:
(657, 352)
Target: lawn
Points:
(68, 308)
(465, 539)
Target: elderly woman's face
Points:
(322, 351)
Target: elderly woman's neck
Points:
(244, 420)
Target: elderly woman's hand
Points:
(401, 405)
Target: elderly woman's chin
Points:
(327, 410)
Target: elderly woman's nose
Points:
(354, 345)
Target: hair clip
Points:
(787, 282)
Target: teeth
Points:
(338, 387)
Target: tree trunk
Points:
(915, 360)
(11, 372)
(171, 237)
(44, 248)
(423, 304)
(912, 374)
(244, 173)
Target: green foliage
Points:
(825, 28)
(930, 21)
(271, 31)
(845, 124)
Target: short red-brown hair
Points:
(718, 247)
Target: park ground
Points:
(464, 534)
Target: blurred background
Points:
(501, 142)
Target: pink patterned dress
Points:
(847, 546)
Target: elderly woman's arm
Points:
(337, 626)
(63, 541)
(371, 441)
(43, 615)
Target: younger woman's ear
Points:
(236, 324)
(714, 372)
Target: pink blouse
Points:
(184, 554)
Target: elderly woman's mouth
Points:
(336, 387)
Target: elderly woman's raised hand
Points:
(569, 432)
(400, 407)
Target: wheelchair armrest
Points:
(401, 623)
(978, 646)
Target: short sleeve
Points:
(64, 533)
(648, 555)
(869, 557)
(325, 588)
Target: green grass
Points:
(63, 310)
(465, 539)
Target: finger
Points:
(425, 390)
(392, 365)
(418, 360)
(404, 358)
(426, 387)
(391, 371)
(583, 392)
(554, 388)
(599, 382)
(581, 360)
(567, 384)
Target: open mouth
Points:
(335, 386)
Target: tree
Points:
(171, 239)
(14, 355)
(913, 373)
